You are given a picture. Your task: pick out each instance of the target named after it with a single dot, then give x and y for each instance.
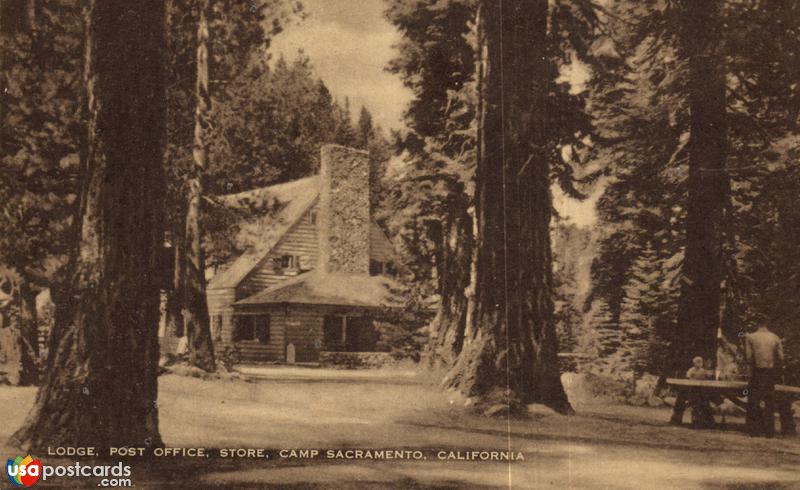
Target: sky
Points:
(350, 43)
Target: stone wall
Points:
(344, 214)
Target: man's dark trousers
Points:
(761, 402)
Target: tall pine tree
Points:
(100, 387)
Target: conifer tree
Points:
(365, 128)
(640, 311)
(40, 124)
(443, 151)
(100, 387)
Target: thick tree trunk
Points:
(16, 16)
(101, 387)
(509, 353)
(454, 277)
(708, 186)
(195, 306)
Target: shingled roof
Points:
(341, 188)
(291, 200)
(332, 289)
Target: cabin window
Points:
(332, 331)
(261, 325)
(285, 262)
(243, 328)
(375, 267)
(252, 328)
(349, 334)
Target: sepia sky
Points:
(350, 43)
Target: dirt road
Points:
(604, 446)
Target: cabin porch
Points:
(298, 333)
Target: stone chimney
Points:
(344, 215)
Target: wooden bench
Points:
(736, 392)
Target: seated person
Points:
(700, 402)
(698, 370)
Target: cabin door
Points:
(361, 335)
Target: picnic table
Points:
(736, 392)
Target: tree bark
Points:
(195, 306)
(454, 277)
(174, 307)
(708, 186)
(509, 354)
(101, 386)
(16, 16)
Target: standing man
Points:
(764, 354)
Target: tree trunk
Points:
(455, 244)
(195, 306)
(708, 186)
(509, 355)
(174, 308)
(16, 16)
(101, 387)
(19, 342)
(28, 337)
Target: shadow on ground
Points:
(604, 446)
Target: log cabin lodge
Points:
(317, 273)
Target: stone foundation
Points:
(355, 360)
